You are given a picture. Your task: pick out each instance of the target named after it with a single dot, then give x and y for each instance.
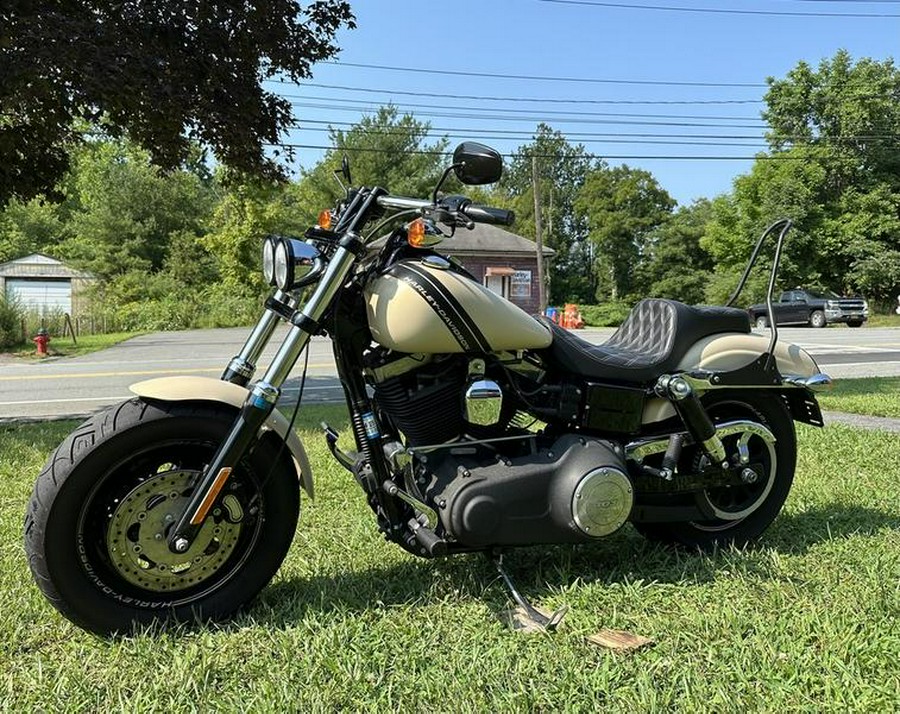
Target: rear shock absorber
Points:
(694, 416)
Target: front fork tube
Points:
(694, 416)
(242, 366)
(258, 405)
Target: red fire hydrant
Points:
(41, 340)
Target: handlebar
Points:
(486, 214)
(479, 214)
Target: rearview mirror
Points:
(476, 164)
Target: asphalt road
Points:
(76, 386)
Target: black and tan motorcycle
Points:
(477, 427)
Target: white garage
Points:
(42, 284)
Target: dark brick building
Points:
(502, 261)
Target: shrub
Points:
(10, 322)
(610, 314)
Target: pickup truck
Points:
(817, 308)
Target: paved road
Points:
(79, 385)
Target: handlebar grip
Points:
(486, 214)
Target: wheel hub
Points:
(138, 528)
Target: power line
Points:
(614, 139)
(557, 120)
(417, 106)
(719, 11)
(540, 78)
(613, 157)
(514, 133)
(553, 100)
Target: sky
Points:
(660, 68)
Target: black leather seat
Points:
(652, 340)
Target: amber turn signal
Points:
(415, 233)
(324, 220)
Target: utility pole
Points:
(538, 237)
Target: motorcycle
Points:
(477, 427)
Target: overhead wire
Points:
(719, 10)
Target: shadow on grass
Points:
(621, 559)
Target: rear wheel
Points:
(739, 514)
(97, 523)
(817, 319)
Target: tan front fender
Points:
(207, 389)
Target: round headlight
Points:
(283, 266)
(268, 260)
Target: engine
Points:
(526, 488)
(575, 489)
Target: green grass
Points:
(65, 347)
(883, 321)
(876, 396)
(806, 621)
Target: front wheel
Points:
(96, 527)
(762, 322)
(854, 323)
(817, 319)
(739, 514)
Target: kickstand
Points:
(539, 618)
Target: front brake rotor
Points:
(136, 538)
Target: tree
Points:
(123, 212)
(834, 169)
(676, 265)
(623, 206)
(561, 171)
(166, 73)
(385, 149)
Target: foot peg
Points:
(544, 622)
(343, 458)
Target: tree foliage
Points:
(166, 73)
(834, 169)
(623, 207)
(561, 168)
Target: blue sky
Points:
(552, 39)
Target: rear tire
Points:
(92, 530)
(769, 410)
(817, 319)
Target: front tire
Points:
(817, 319)
(770, 492)
(94, 531)
(762, 322)
(854, 324)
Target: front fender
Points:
(207, 389)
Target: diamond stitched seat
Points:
(652, 340)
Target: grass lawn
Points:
(877, 396)
(809, 620)
(65, 347)
(883, 321)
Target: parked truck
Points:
(816, 308)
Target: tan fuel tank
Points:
(418, 307)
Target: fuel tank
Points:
(420, 306)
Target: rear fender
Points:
(207, 389)
(733, 351)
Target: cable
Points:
(417, 106)
(553, 100)
(515, 133)
(720, 11)
(558, 120)
(621, 157)
(615, 139)
(538, 78)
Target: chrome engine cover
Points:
(602, 501)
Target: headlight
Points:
(296, 263)
(268, 259)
